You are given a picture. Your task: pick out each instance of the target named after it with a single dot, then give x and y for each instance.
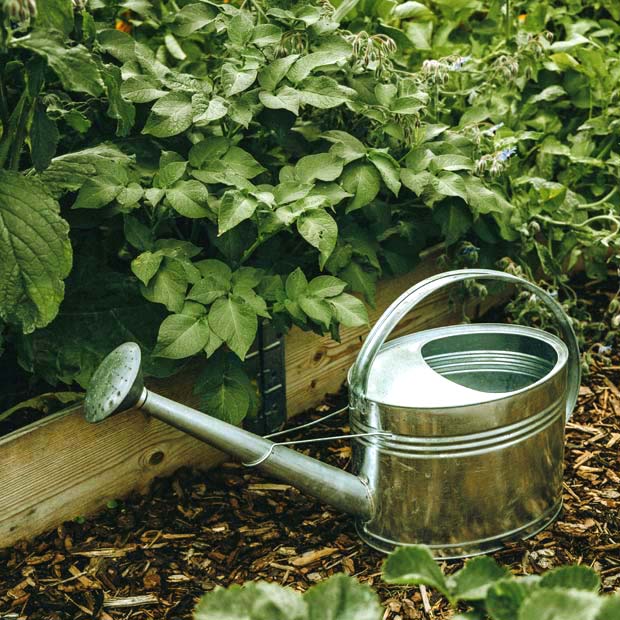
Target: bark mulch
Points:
(151, 557)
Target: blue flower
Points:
(457, 65)
(491, 130)
(505, 154)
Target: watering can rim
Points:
(426, 336)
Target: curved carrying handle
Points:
(418, 292)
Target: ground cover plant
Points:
(211, 165)
(482, 585)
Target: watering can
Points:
(458, 432)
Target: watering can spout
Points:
(117, 386)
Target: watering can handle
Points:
(418, 292)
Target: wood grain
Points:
(61, 467)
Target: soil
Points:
(151, 557)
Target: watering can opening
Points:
(463, 365)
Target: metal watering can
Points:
(458, 431)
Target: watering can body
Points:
(458, 432)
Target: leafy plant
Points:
(485, 588)
(491, 591)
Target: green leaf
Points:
(610, 608)
(170, 171)
(454, 219)
(242, 163)
(208, 150)
(551, 604)
(216, 269)
(208, 110)
(413, 566)
(146, 265)
(349, 310)
(363, 181)
(474, 579)
(342, 598)
(323, 166)
(55, 15)
(272, 74)
(306, 64)
(44, 138)
(360, 280)
(189, 198)
(97, 192)
(234, 209)
(346, 147)
(317, 309)
(388, 169)
(240, 28)
(119, 109)
(141, 89)
(286, 98)
(170, 115)
(256, 302)
(320, 230)
(451, 162)
(182, 336)
(207, 290)
(326, 286)
(450, 184)
(266, 34)
(296, 284)
(575, 577)
(74, 66)
(235, 81)
(412, 9)
(324, 92)
(252, 601)
(139, 235)
(35, 252)
(168, 286)
(504, 599)
(130, 196)
(235, 322)
(191, 18)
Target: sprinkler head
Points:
(116, 385)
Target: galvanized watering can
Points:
(458, 432)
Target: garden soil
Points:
(152, 557)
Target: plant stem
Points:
(22, 131)
(508, 21)
(601, 201)
(4, 107)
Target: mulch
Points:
(151, 557)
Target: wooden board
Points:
(61, 467)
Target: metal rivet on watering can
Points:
(458, 431)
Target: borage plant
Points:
(269, 145)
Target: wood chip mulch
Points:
(151, 557)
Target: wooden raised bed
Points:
(61, 467)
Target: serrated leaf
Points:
(551, 604)
(252, 601)
(189, 198)
(286, 98)
(170, 115)
(141, 89)
(168, 285)
(35, 252)
(182, 336)
(575, 577)
(235, 322)
(472, 581)
(306, 64)
(363, 181)
(234, 209)
(388, 169)
(320, 230)
(326, 286)
(97, 192)
(322, 167)
(342, 597)
(413, 566)
(271, 75)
